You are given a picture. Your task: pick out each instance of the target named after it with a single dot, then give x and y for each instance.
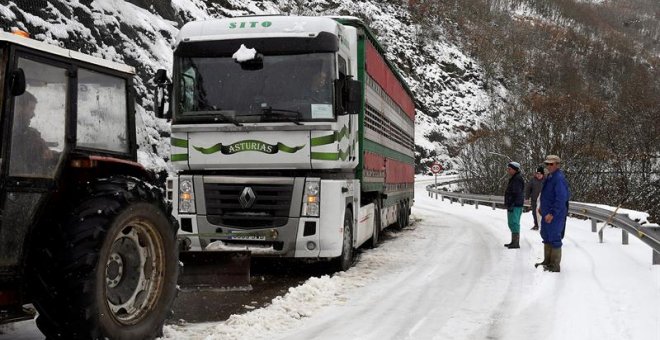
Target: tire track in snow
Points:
(423, 295)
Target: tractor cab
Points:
(57, 111)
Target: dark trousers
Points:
(536, 222)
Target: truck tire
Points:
(110, 269)
(345, 260)
(375, 237)
(399, 224)
(406, 214)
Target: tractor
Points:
(86, 232)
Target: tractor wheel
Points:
(345, 260)
(110, 269)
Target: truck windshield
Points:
(218, 89)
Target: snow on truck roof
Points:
(63, 52)
(257, 26)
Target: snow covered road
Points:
(448, 276)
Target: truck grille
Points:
(260, 206)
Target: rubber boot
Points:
(547, 248)
(515, 242)
(555, 260)
(510, 243)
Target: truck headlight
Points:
(312, 198)
(186, 196)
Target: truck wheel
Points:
(375, 238)
(112, 270)
(399, 217)
(406, 214)
(345, 260)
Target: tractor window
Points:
(102, 118)
(39, 121)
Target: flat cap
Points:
(552, 159)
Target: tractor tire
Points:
(109, 270)
(345, 260)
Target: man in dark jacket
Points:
(554, 210)
(532, 192)
(513, 200)
(31, 156)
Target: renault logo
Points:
(247, 198)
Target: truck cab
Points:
(267, 134)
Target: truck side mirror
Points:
(348, 96)
(353, 97)
(162, 94)
(340, 99)
(17, 84)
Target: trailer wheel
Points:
(375, 238)
(406, 214)
(399, 217)
(112, 270)
(345, 260)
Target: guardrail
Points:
(648, 235)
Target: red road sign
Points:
(436, 168)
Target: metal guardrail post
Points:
(461, 200)
(653, 232)
(493, 205)
(594, 225)
(600, 234)
(476, 205)
(624, 233)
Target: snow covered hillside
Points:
(448, 84)
(465, 61)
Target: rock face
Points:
(449, 87)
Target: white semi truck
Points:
(292, 137)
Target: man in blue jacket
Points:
(554, 210)
(513, 200)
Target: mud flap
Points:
(215, 270)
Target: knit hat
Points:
(540, 170)
(514, 165)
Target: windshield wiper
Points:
(219, 114)
(281, 113)
(228, 119)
